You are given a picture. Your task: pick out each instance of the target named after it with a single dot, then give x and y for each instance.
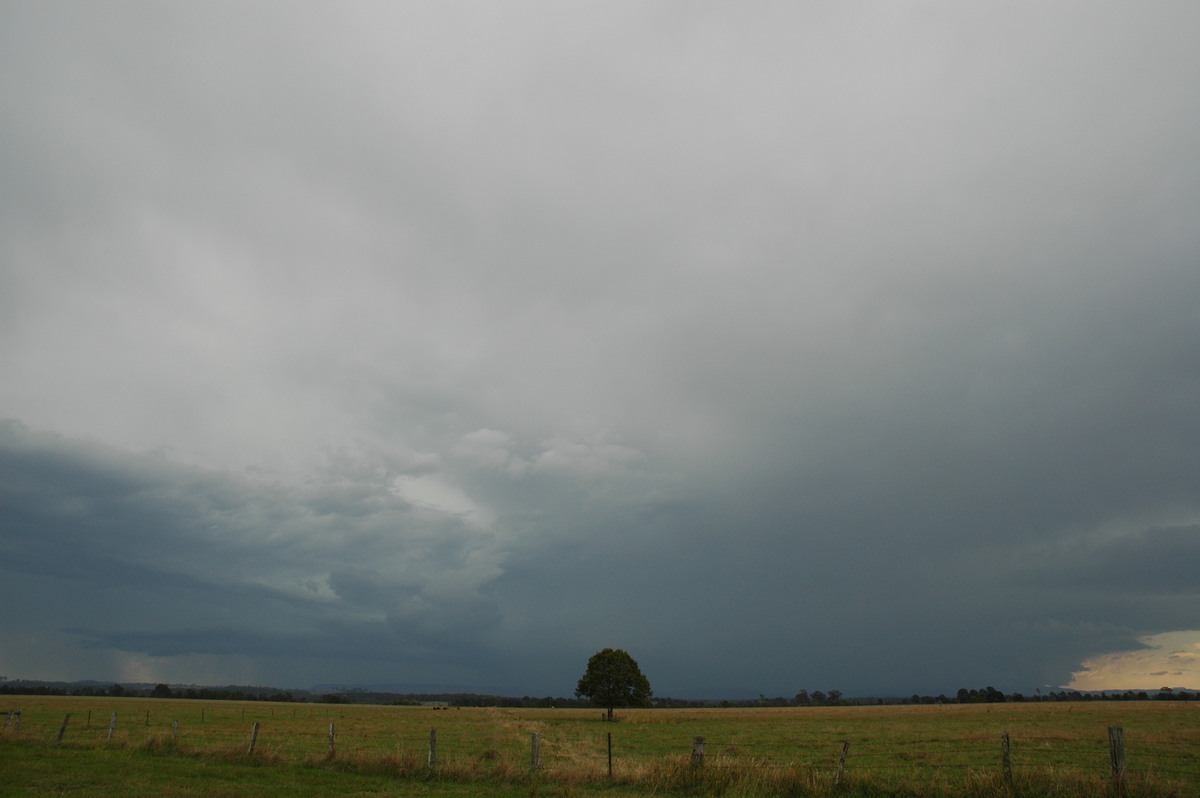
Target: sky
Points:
(826, 345)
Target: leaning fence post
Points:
(698, 752)
(841, 762)
(1007, 759)
(63, 728)
(432, 748)
(253, 738)
(112, 725)
(1116, 750)
(535, 753)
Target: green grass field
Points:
(1057, 749)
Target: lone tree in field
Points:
(613, 679)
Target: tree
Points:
(613, 679)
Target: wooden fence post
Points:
(1116, 751)
(332, 742)
(174, 730)
(432, 748)
(63, 728)
(698, 753)
(841, 763)
(253, 738)
(610, 755)
(112, 725)
(1007, 758)
(535, 753)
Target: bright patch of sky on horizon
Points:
(1171, 658)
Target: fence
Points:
(630, 752)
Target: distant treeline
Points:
(817, 698)
(158, 691)
(990, 695)
(353, 696)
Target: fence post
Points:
(837, 780)
(1007, 759)
(174, 730)
(112, 725)
(253, 738)
(1116, 751)
(535, 754)
(63, 728)
(610, 755)
(432, 748)
(332, 742)
(698, 753)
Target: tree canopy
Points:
(613, 679)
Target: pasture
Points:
(190, 747)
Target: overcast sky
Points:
(824, 345)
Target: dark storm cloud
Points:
(156, 554)
(1157, 562)
(475, 339)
